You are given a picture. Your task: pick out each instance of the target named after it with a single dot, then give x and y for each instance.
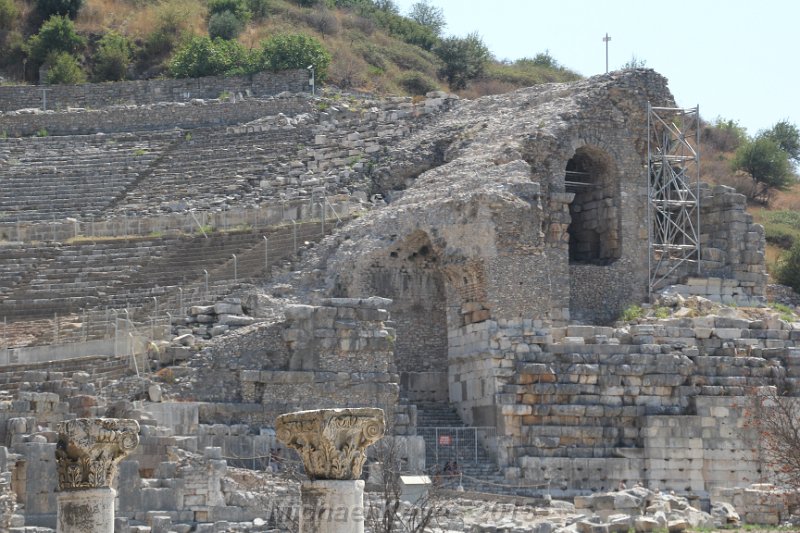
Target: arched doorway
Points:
(594, 230)
(410, 274)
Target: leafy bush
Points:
(259, 8)
(543, 59)
(417, 83)
(113, 57)
(224, 25)
(788, 270)
(170, 25)
(464, 59)
(405, 29)
(56, 35)
(66, 8)
(631, 313)
(8, 14)
(290, 51)
(202, 56)
(238, 8)
(526, 72)
(64, 69)
(724, 135)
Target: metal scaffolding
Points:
(673, 191)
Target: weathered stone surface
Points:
(235, 320)
(332, 442)
(89, 450)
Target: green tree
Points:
(66, 8)
(113, 57)
(202, 56)
(766, 163)
(787, 136)
(56, 35)
(224, 25)
(428, 15)
(387, 6)
(63, 68)
(290, 51)
(8, 14)
(464, 59)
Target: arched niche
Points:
(594, 230)
(410, 274)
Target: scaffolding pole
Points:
(673, 192)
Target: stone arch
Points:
(409, 272)
(594, 229)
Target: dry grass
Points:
(365, 56)
(137, 20)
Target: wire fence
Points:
(464, 445)
(315, 205)
(131, 317)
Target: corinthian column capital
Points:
(332, 442)
(89, 450)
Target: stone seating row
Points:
(72, 176)
(70, 289)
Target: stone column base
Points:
(332, 506)
(86, 511)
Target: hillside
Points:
(373, 47)
(778, 212)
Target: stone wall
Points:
(587, 407)
(331, 355)
(95, 95)
(151, 117)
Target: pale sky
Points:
(735, 59)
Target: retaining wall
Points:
(139, 92)
(161, 116)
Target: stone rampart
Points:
(139, 92)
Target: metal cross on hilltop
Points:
(605, 40)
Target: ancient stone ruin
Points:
(461, 265)
(332, 444)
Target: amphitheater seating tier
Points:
(79, 176)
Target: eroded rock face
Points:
(89, 450)
(332, 442)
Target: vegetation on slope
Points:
(371, 45)
(762, 167)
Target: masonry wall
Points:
(338, 354)
(587, 407)
(94, 95)
(194, 114)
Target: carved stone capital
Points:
(89, 450)
(332, 442)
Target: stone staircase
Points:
(440, 421)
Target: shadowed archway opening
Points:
(410, 274)
(594, 230)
